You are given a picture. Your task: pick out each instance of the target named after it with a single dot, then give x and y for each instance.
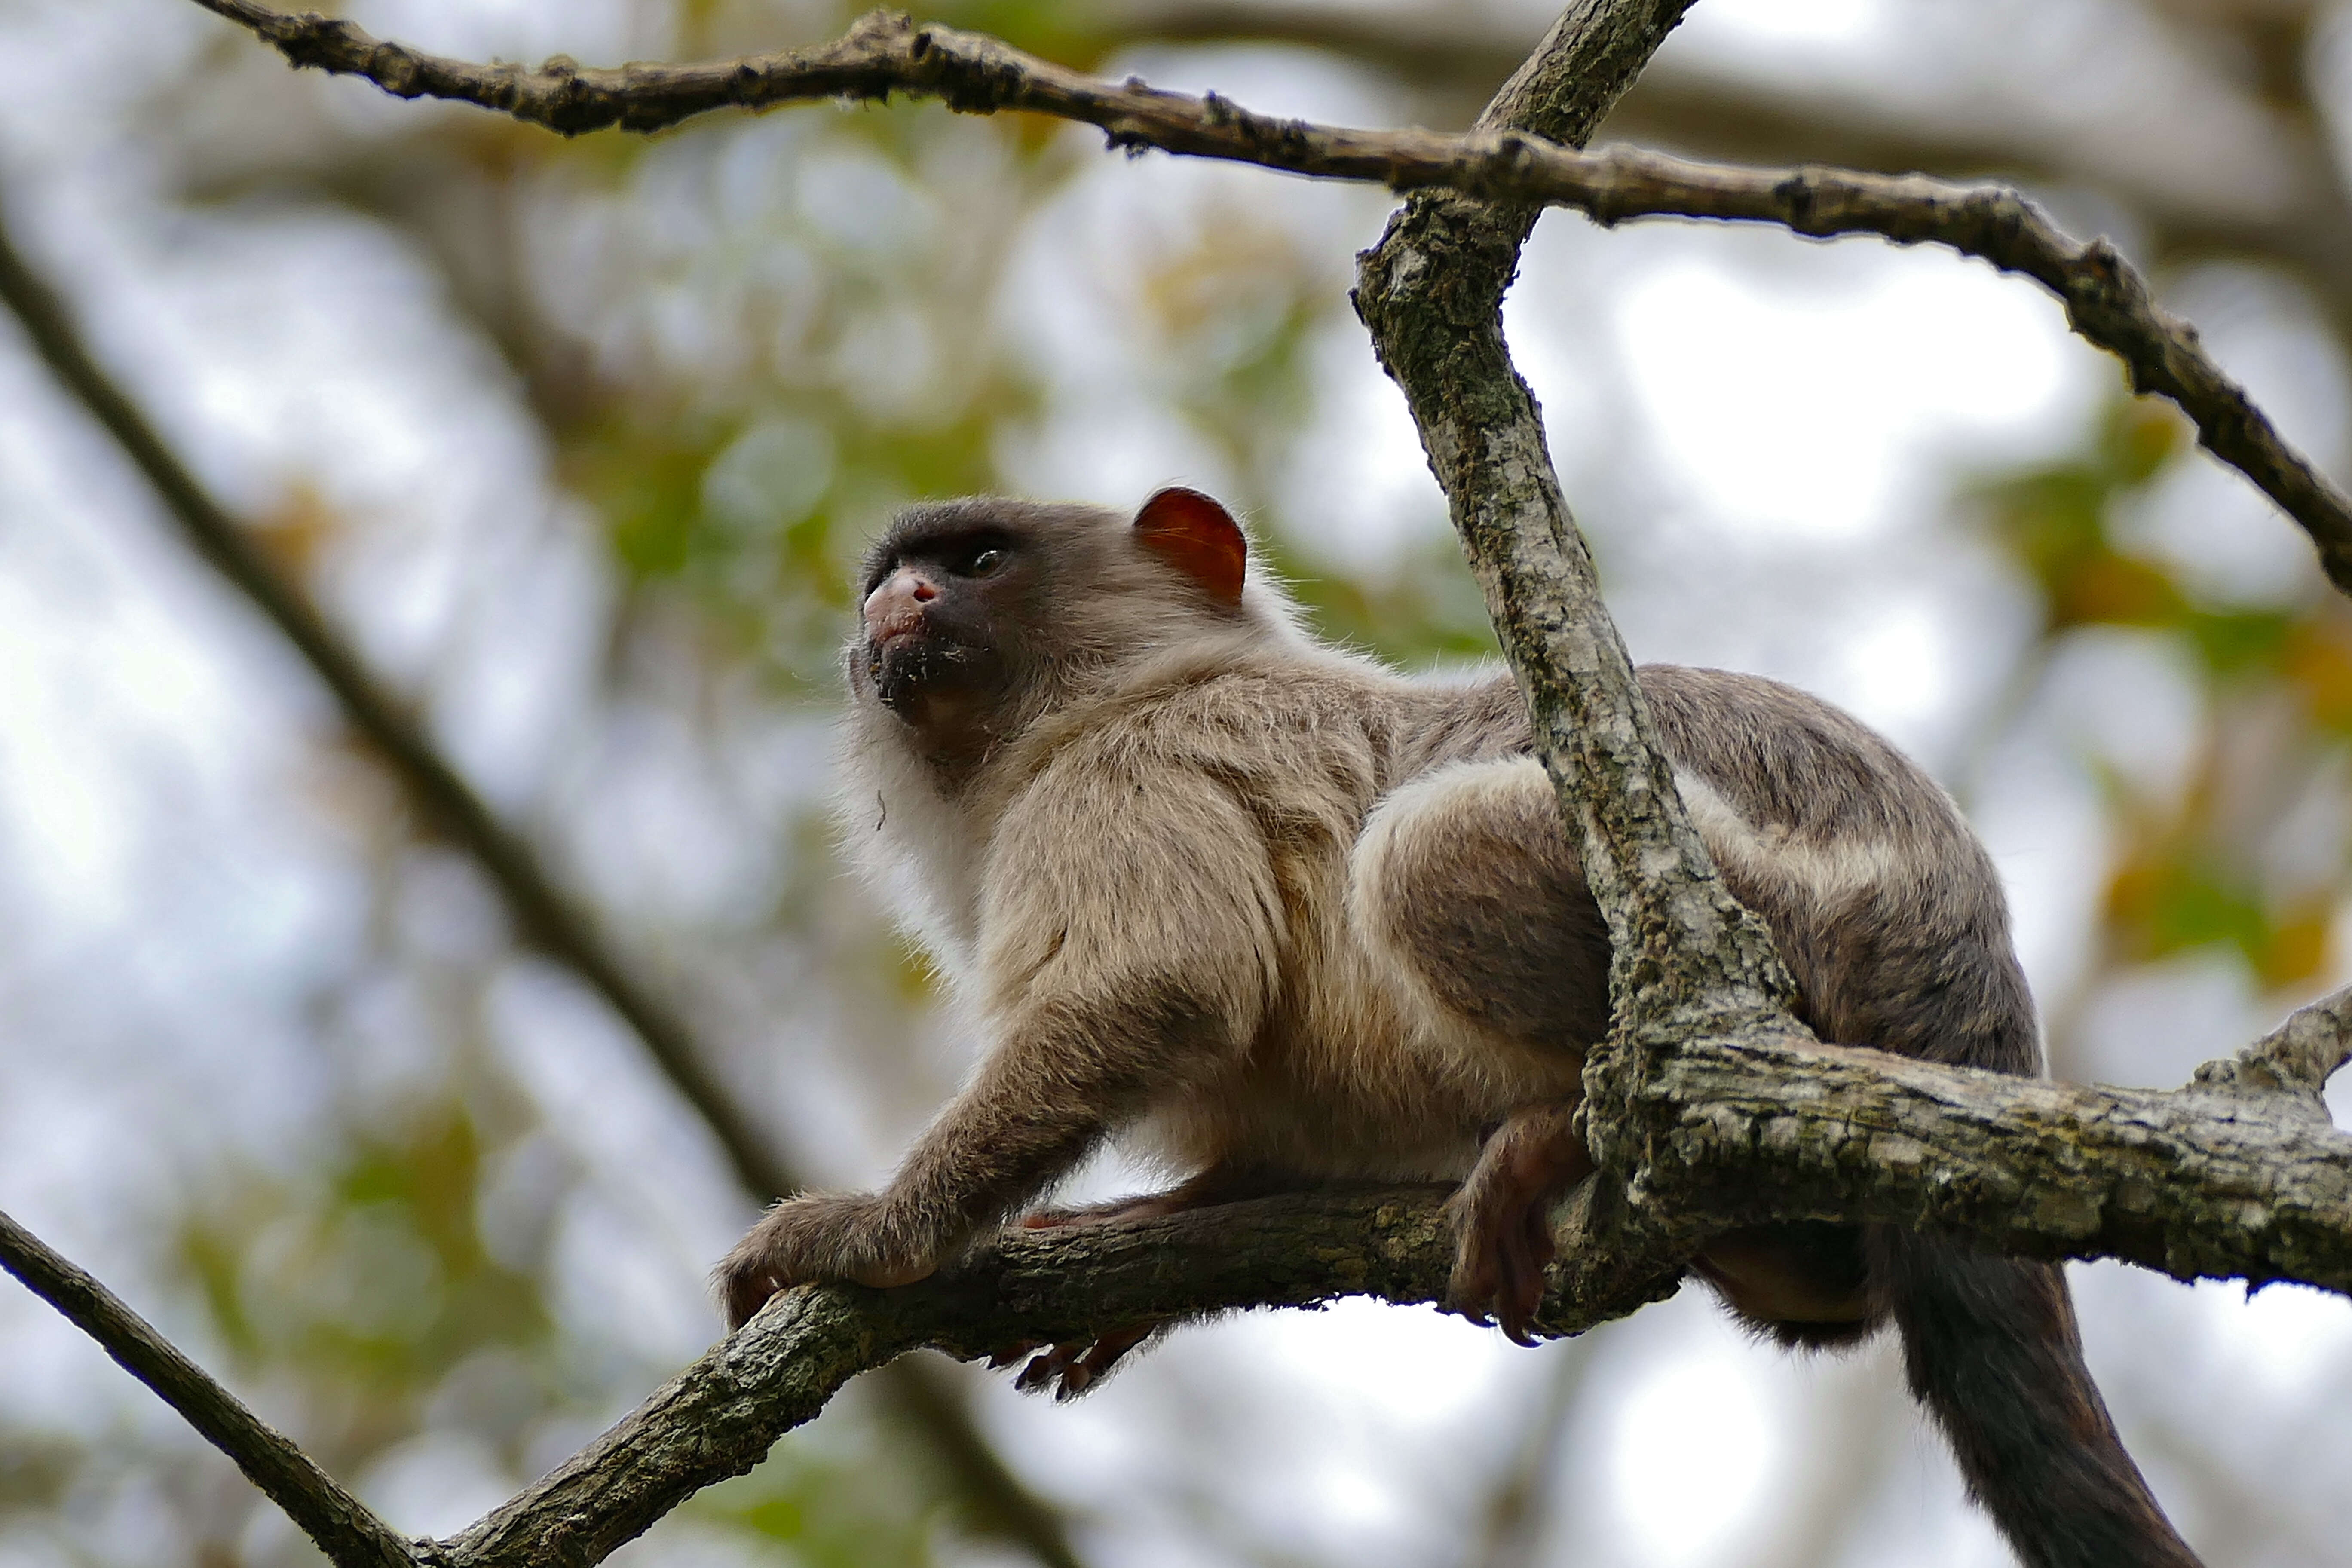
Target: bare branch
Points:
(2268, 194)
(2270, 200)
(1000, 1502)
(344, 1529)
(2106, 299)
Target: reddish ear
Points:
(1198, 538)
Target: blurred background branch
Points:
(996, 1501)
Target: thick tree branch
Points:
(2185, 1181)
(2106, 299)
(2191, 1183)
(344, 1529)
(718, 1417)
(999, 1502)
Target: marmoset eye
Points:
(985, 562)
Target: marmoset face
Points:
(940, 591)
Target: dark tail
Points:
(1992, 1351)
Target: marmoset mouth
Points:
(911, 670)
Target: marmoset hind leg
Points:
(1464, 886)
(1465, 881)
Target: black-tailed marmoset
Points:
(1280, 916)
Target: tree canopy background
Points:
(575, 440)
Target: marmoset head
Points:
(980, 614)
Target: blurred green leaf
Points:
(363, 1292)
(827, 1511)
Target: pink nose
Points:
(895, 608)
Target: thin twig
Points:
(2106, 299)
(345, 1529)
(1000, 1503)
(2297, 1058)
